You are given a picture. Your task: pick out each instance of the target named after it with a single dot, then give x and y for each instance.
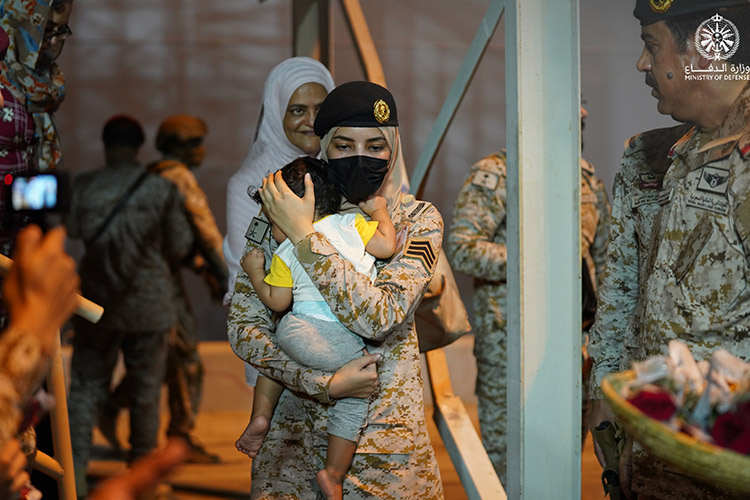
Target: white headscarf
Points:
(270, 151)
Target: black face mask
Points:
(357, 177)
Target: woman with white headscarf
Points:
(292, 94)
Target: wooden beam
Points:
(459, 436)
(368, 55)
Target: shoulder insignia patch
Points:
(485, 179)
(417, 210)
(714, 180)
(257, 230)
(422, 250)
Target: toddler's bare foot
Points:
(251, 439)
(332, 489)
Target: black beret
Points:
(356, 104)
(653, 11)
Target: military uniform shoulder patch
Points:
(257, 230)
(412, 208)
(423, 251)
(485, 179)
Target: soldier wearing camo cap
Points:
(681, 198)
(357, 124)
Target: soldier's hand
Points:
(356, 379)
(13, 475)
(292, 214)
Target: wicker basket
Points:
(708, 462)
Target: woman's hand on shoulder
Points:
(356, 379)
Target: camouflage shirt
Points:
(698, 287)
(637, 189)
(394, 456)
(209, 240)
(478, 232)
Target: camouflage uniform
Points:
(476, 245)
(694, 272)
(184, 366)
(636, 192)
(394, 458)
(126, 270)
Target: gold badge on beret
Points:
(660, 6)
(381, 111)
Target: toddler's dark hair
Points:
(327, 195)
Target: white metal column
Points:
(544, 345)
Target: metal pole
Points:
(544, 298)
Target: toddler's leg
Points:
(338, 460)
(267, 394)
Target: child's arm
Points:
(383, 242)
(274, 297)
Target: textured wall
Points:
(210, 58)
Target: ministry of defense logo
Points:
(717, 38)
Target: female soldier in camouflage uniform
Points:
(394, 459)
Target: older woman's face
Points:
(300, 114)
(358, 141)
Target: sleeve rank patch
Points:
(257, 230)
(485, 179)
(421, 249)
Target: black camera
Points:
(37, 192)
(38, 198)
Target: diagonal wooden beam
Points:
(467, 453)
(355, 18)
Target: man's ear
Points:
(703, 62)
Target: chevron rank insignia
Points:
(257, 230)
(421, 249)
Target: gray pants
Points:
(326, 345)
(94, 356)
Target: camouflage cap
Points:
(653, 11)
(356, 104)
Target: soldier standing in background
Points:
(681, 198)
(476, 246)
(180, 139)
(133, 226)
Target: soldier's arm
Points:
(373, 309)
(178, 238)
(250, 330)
(478, 213)
(618, 294)
(601, 238)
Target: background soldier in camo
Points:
(476, 246)
(677, 206)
